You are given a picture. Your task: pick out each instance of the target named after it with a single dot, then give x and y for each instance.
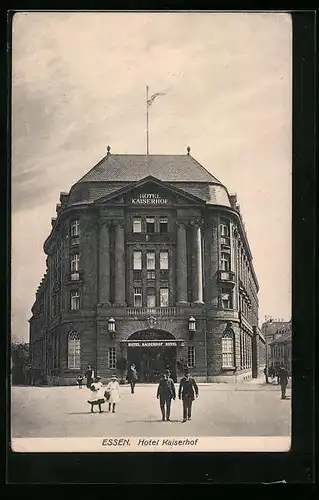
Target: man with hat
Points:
(187, 391)
(165, 394)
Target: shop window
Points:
(74, 351)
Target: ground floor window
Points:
(112, 358)
(228, 350)
(74, 351)
(191, 356)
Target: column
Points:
(119, 264)
(198, 281)
(104, 262)
(181, 264)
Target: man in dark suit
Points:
(165, 394)
(132, 377)
(283, 377)
(187, 391)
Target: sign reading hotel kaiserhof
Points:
(149, 199)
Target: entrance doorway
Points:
(151, 361)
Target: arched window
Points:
(228, 350)
(74, 351)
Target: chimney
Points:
(64, 197)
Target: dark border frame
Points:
(295, 466)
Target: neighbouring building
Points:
(147, 262)
(280, 347)
(272, 329)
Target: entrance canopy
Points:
(152, 338)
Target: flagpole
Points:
(147, 140)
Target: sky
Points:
(78, 85)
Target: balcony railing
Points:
(228, 276)
(150, 237)
(151, 311)
(75, 241)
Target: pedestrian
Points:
(89, 375)
(187, 391)
(266, 374)
(97, 397)
(165, 394)
(113, 392)
(80, 381)
(132, 377)
(283, 377)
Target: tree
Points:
(19, 362)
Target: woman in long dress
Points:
(97, 396)
(113, 388)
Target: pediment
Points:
(150, 192)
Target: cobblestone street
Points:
(245, 409)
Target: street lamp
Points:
(111, 327)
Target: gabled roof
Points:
(170, 168)
(147, 180)
(283, 338)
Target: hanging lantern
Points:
(192, 324)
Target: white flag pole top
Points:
(149, 101)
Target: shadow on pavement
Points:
(151, 421)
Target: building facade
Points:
(280, 347)
(148, 262)
(273, 329)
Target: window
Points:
(137, 265)
(228, 350)
(164, 297)
(75, 300)
(112, 358)
(224, 228)
(191, 356)
(150, 261)
(75, 259)
(226, 299)
(225, 261)
(150, 265)
(75, 228)
(150, 224)
(163, 225)
(224, 232)
(151, 297)
(164, 264)
(137, 225)
(138, 297)
(74, 351)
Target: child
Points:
(80, 380)
(113, 388)
(97, 397)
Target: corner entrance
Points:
(152, 352)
